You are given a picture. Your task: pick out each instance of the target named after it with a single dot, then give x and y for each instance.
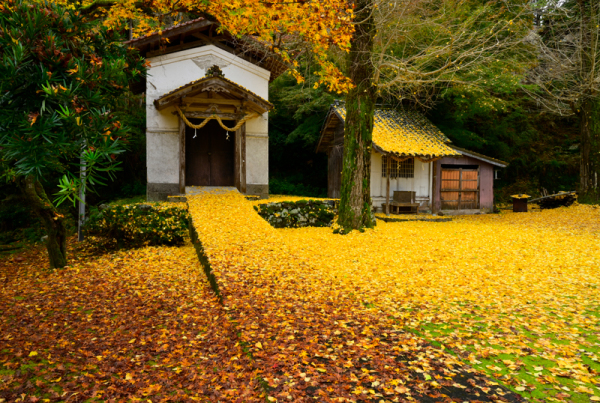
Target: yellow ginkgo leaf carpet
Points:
(515, 296)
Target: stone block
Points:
(160, 191)
(258, 190)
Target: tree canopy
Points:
(62, 79)
(288, 28)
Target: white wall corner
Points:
(162, 161)
(257, 160)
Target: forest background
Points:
(542, 149)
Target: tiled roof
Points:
(257, 51)
(164, 32)
(479, 156)
(199, 81)
(406, 133)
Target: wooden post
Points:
(387, 191)
(479, 187)
(181, 156)
(434, 187)
(238, 159)
(460, 188)
(243, 145)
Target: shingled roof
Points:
(403, 133)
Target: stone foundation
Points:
(160, 191)
(257, 190)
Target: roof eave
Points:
(170, 99)
(481, 157)
(424, 156)
(276, 65)
(169, 32)
(325, 125)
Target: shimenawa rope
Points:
(218, 119)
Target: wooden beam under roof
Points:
(215, 84)
(218, 101)
(208, 109)
(204, 115)
(208, 105)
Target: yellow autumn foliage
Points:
(524, 286)
(406, 133)
(319, 24)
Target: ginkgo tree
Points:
(412, 52)
(62, 78)
(355, 204)
(282, 25)
(279, 24)
(350, 25)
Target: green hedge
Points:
(303, 213)
(135, 225)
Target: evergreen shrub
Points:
(134, 225)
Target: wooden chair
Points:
(403, 203)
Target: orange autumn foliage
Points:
(280, 24)
(307, 315)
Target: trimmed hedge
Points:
(135, 225)
(303, 213)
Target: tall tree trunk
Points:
(589, 170)
(589, 117)
(355, 205)
(53, 221)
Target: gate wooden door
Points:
(209, 158)
(460, 189)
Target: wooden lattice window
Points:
(393, 167)
(406, 168)
(403, 169)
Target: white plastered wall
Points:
(257, 151)
(171, 71)
(421, 183)
(162, 150)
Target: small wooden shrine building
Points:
(206, 109)
(410, 154)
